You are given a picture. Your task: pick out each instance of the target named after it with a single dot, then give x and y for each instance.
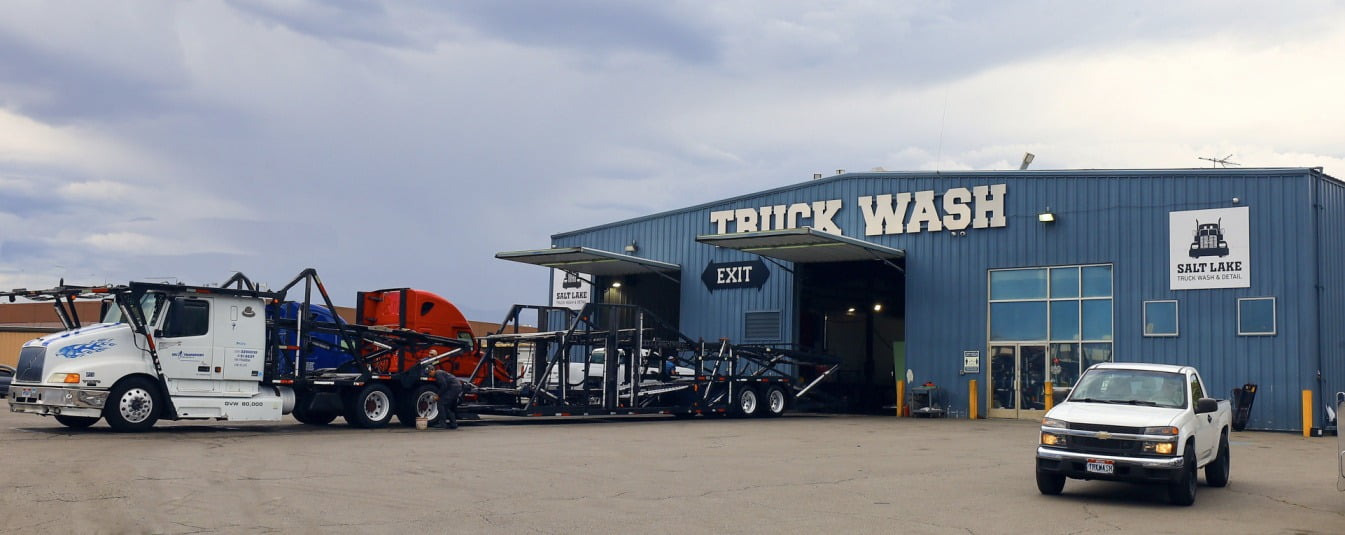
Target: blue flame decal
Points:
(79, 350)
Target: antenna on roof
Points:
(1219, 162)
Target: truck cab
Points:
(178, 352)
(1140, 423)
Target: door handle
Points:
(1209, 418)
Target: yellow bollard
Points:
(973, 404)
(1307, 413)
(901, 396)
(1050, 395)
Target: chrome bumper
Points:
(1166, 463)
(56, 400)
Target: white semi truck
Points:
(176, 352)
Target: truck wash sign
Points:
(568, 290)
(1209, 249)
(887, 214)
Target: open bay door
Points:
(614, 277)
(851, 303)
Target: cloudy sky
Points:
(404, 143)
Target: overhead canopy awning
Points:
(589, 261)
(803, 245)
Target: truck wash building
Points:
(1008, 278)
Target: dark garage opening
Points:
(652, 291)
(856, 312)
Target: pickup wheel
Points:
(776, 401)
(76, 422)
(746, 402)
(417, 403)
(369, 407)
(133, 405)
(1216, 473)
(1182, 491)
(1050, 483)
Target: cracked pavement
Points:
(796, 474)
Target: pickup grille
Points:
(31, 359)
(1108, 428)
(1107, 447)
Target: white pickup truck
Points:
(1136, 422)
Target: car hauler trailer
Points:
(647, 368)
(181, 352)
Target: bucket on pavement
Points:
(422, 423)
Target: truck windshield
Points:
(1135, 387)
(150, 303)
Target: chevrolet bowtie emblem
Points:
(1103, 435)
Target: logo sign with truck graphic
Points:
(1209, 249)
(569, 290)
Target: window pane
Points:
(1097, 281)
(1096, 354)
(1064, 320)
(1065, 282)
(1097, 319)
(1064, 365)
(1160, 318)
(1018, 321)
(1018, 284)
(1256, 316)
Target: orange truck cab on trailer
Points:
(424, 312)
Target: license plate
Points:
(1100, 467)
(25, 392)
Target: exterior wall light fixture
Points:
(1046, 217)
(632, 247)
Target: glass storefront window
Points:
(1065, 320)
(1096, 319)
(1096, 281)
(1256, 316)
(1064, 364)
(1018, 320)
(1018, 284)
(1096, 354)
(1065, 282)
(1160, 318)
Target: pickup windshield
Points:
(1131, 387)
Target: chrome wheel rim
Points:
(426, 407)
(749, 402)
(376, 405)
(777, 401)
(136, 405)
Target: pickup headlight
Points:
(1052, 439)
(1164, 447)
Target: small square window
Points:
(1256, 316)
(1160, 318)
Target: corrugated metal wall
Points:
(1330, 210)
(1110, 217)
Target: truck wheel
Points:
(370, 407)
(1182, 491)
(132, 406)
(776, 401)
(746, 403)
(311, 417)
(419, 403)
(76, 422)
(1216, 473)
(1050, 483)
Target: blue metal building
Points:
(1008, 278)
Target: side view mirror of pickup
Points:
(1204, 405)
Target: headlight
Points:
(1166, 431)
(1052, 439)
(1161, 448)
(63, 378)
(1052, 422)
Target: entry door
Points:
(186, 346)
(1017, 381)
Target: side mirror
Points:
(1204, 405)
(1061, 392)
